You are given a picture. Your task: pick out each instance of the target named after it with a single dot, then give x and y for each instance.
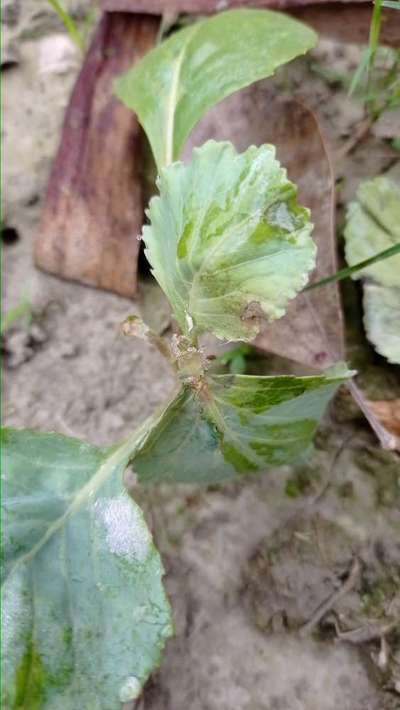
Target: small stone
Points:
(37, 334)
(387, 125)
(17, 349)
(58, 55)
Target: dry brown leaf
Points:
(158, 7)
(93, 208)
(312, 331)
(346, 21)
(388, 413)
(350, 22)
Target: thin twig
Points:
(347, 586)
(386, 439)
(365, 634)
(329, 478)
(359, 134)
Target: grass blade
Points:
(349, 270)
(68, 23)
(367, 61)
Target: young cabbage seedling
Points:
(84, 611)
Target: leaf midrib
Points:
(173, 97)
(211, 406)
(110, 463)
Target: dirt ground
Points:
(248, 565)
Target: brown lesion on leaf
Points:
(191, 360)
(253, 315)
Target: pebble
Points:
(58, 55)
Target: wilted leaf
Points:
(227, 232)
(84, 614)
(177, 82)
(373, 224)
(235, 424)
(344, 20)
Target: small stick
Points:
(133, 326)
(347, 586)
(364, 634)
(383, 656)
(386, 439)
(329, 479)
(359, 134)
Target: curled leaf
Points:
(235, 424)
(227, 240)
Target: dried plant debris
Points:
(312, 577)
(388, 412)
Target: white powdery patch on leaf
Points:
(15, 619)
(126, 532)
(130, 690)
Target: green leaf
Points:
(373, 225)
(175, 83)
(84, 613)
(235, 359)
(382, 320)
(235, 424)
(227, 232)
(393, 4)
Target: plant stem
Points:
(349, 270)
